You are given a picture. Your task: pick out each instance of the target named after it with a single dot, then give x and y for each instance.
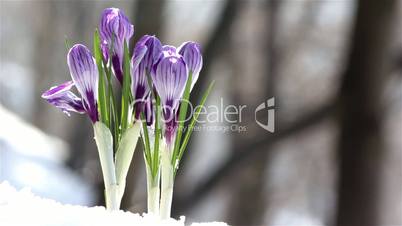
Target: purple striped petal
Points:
(138, 55)
(139, 85)
(168, 50)
(191, 53)
(169, 81)
(84, 73)
(170, 131)
(61, 97)
(154, 49)
(117, 66)
(146, 53)
(115, 29)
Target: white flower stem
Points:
(113, 197)
(103, 139)
(153, 192)
(123, 158)
(167, 184)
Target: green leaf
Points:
(147, 145)
(156, 156)
(192, 123)
(125, 153)
(114, 114)
(104, 142)
(182, 116)
(103, 99)
(125, 97)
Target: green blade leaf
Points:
(182, 115)
(125, 97)
(192, 123)
(103, 99)
(104, 142)
(147, 144)
(125, 152)
(114, 114)
(156, 156)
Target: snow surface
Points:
(19, 208)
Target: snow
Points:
(34, 159)
(18, 208)
(36, 144)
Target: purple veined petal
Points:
(61, 97)
(138, 55)
(117, 66)
(115, 24)
(123, 28)
(154, 49)
(170, 80)
(105, 28)
(58, 90)
(139, 86)
(141, 92)
(118, 57)
(115, 29)
(145, 106)
(146, 53)
(168, 50)
(170, 131)
(105, 52)
(84, 73)
(191, 53)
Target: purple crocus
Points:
(191, 53)
(146, 53)
(169, 79)
(84, 74)
(115, 29)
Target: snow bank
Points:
(19, 208)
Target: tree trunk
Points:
(361, 147)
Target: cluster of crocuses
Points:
(154, 89)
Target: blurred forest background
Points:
(334, 68)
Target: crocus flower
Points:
(169, 79)
(146, 53)
(191, 53)
(84, 74)
(115, 29)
